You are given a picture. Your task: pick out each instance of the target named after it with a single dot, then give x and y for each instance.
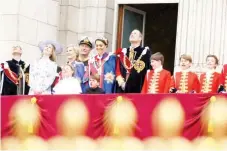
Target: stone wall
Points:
(27, 22)
(80, 18)
(202, 30)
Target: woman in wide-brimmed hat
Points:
(43, 72)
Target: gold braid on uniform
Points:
(131, 54)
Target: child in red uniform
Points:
(157, 80)
(210, 80)
(185, 81)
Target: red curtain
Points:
(193, 105)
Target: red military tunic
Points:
(210, 82)
(157, 82)
(186, 82)
(224, 76)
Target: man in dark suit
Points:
(132, 65)
(15, 74)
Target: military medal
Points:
(139, 66)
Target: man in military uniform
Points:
(15, 74)
(84, 55)
(132, 65)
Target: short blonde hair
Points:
(186, 57)
(95, 77)
(139, 32)
(76, 49)
(71, 67)
(17, 46)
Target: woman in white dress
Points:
(43, 72)
(69, 84)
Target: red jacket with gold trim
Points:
(210, 85)
(186, 82)
(159, 82)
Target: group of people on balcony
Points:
(128, 70)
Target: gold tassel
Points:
(33, 100)
(119, 99)
(116, 130)
(30, 125)
(30, 128)
(210, 122)
(210, 127)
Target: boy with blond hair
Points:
(185, 81)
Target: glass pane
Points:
(132, 20)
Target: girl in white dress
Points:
(43, 72)
(69, 84)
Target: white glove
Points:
(6, 66)
(123, 86)
(178, 91)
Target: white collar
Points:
(18, 60)
(158, 69)
(210, 71)
(92, 60)
(68, 78)
(131, 47)
(99, 57)
(45, 58)
(186, 70)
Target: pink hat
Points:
(58, 46)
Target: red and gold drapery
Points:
(192, 104)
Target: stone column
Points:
(85, 18)
(201, 31)
(26, 23)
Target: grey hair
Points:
(141, 35)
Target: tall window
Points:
(132, 19)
